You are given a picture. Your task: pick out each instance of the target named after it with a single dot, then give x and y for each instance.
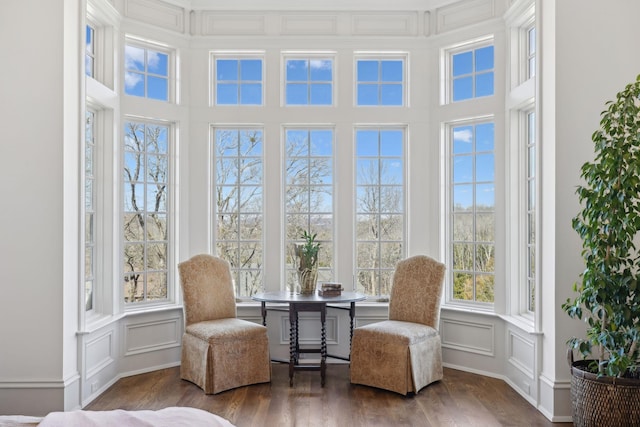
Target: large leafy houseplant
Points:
(608, 294)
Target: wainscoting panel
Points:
(152, 336)
(388, 24)
(316, 24)
(99, 354)
(232, 24)
(472, 337)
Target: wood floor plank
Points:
(460, 399)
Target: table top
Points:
(288, 297)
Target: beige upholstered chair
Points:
(219, 351)
(403, 354)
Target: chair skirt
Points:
(398, 356)
(219, 355)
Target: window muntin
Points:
(380, 81)
(472, 72)
(146, 72)
(238, 80)
(145, 211)
(90, 211)
(309, 192)
(308, 80)
(530, 219)
(472, 211)
(380, 212)
(90, 51)
(239, 205)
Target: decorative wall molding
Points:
(309, 24)
(208, 23)
(473, 337)
(385, 24)
(99, 354)
(463, 13)
(157, 13)
(152, 336)
(309, 330)
(520, 354)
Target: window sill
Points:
(521, 322)
(98, 321)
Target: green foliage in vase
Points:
(608, 296)
(307, 252)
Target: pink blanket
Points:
(168, 417)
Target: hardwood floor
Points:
(460, 399)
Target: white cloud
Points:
(464, 135)
(132, 79)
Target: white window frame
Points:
(141, 43)
(236, 272)
(307, 55)
(404, 242)
(447, 53)
(382, 56)
(447, 131)
(172, 143)
(239, 55)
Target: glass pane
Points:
(391, 199)
(297, 144)
(156, 286)
(251, 69)
(367, 199)
(89, 228)
(88, 295)
(462, 169)
(531, 199)
(251, 170)
(485, 167)
(463, 256)
(157, 226)
(134, 287)
(227, 226)
(133, 83)
(390, 253)
(463, 286)
(484, 84)
(227, 171)
(297, 94)
(133, 257)
(321, 142)
(249, 282)
(367, 254)
(251, 226)
(157, 168)
(133, 58)
(462, 63)
(226, 142)
(251, 143)
(227, 69)
(227, 199)
(485, 258)
(251, 94)
(485, 228)
(484, 58)
(391, 227)
(156, 198)
(485, 197)
(321, 70)
(226, 93)
(367, 94)
(367, 71)
(367, 143)
(484, 287)
(229, 252)
(462, 198)
(157, 256)
(158, 63)
(391, 94)
(133, 197)
(320, 94)
(532, 228)
(391, 71)
(367, 227)
(462, 139)
(297, 70)
(88, 262)
(485, 137)
(463, 227)
(391, 143)
(462, 88)
(133, 227)
(391, 171)
(88, 194)
(250, 198)
(367, 172)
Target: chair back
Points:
(207, 289)
(417, 290)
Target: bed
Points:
(169, 417)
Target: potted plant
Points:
(604, 386)
(307, 254)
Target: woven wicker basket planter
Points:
(604, 401)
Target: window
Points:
(145, 220)
(146, 72)
(90, 51)
(380, 196)
(380, 81)
(90, 211)
(472, 211)
(308, 180)
(239, 205)
(238, 80)
(531, 52)
(309, 80)
(471, 72)
(530, 220)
